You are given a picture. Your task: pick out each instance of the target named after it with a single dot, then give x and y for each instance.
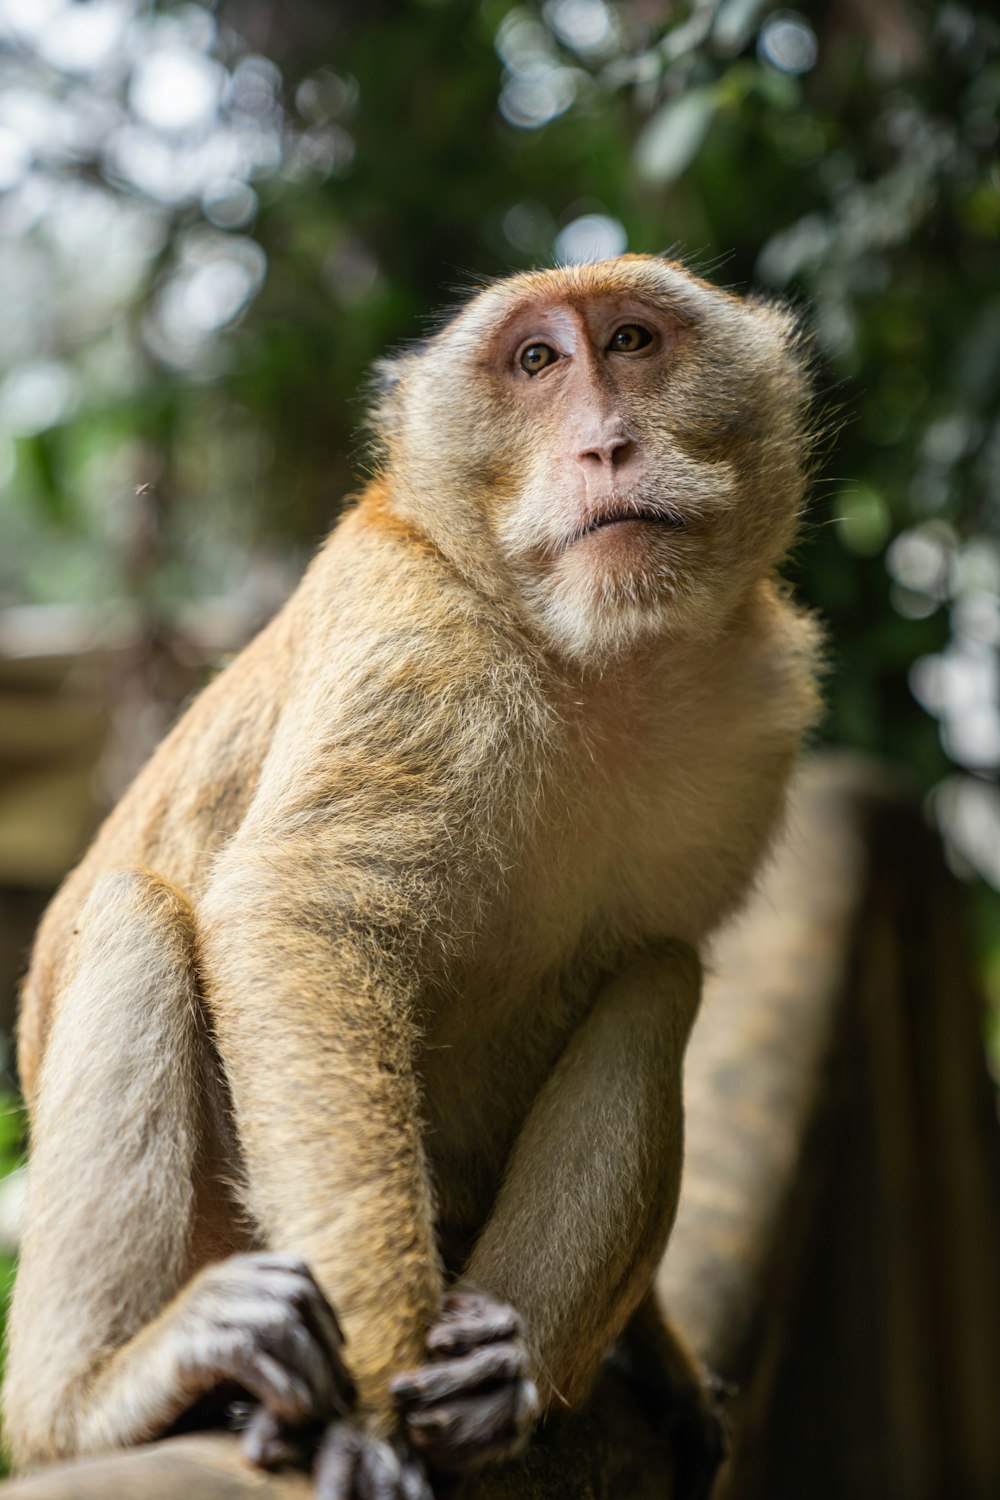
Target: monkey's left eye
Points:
(629, 338)
(536, 357)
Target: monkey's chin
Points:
(593, 610)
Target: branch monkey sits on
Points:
(372, 994)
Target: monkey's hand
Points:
(473, 1402)
(260, 1321)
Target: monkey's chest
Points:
(643, 858)
(667, 845)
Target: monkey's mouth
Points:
(632, 517)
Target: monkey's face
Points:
(621, 441)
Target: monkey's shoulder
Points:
(190, 796)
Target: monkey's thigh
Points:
(125, 1140)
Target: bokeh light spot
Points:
(788, 42)
(590, 237)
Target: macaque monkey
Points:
(353, 1047)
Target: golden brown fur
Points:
(449, 835)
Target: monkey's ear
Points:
(384, 393)
(386, 375)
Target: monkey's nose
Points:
(610, 450)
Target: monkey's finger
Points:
(294, 1284)
(277, 1313)
(266, 1378)
(321, 1320)
(416, 1485)
(291, 1285)
(386, 1474)
(336, 1467)
(488, 1365)
(264, 1442)
(471, 1318)
(295, 1345)
(291, 1279)
(476, 1431)
(305, 1368)
(469, 1302)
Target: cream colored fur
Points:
(450, 834)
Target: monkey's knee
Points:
(659, 987)
(132, 916)
(675, 972)
(131, 980)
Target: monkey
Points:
(353, 1047)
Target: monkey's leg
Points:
(586, 1206)
(673, 1391)
(109, 1340)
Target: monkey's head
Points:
(621, 442)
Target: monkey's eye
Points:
(536, 357)
(629, 338)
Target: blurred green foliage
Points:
(13, 1127)
(387, 158)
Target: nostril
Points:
(613, 452)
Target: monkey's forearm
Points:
(591, 1189)
(317, 1041)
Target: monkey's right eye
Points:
(536, 357)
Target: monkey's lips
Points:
(631, 519)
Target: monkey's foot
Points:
(353, 1465)
(699, 1439)
(473, 1402)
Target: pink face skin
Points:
(601, 518)
(578, 372)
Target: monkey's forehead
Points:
(646, 278)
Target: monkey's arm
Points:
(124, 1316)
(315, 1027)
(592, 1184)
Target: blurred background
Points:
(214, 217)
